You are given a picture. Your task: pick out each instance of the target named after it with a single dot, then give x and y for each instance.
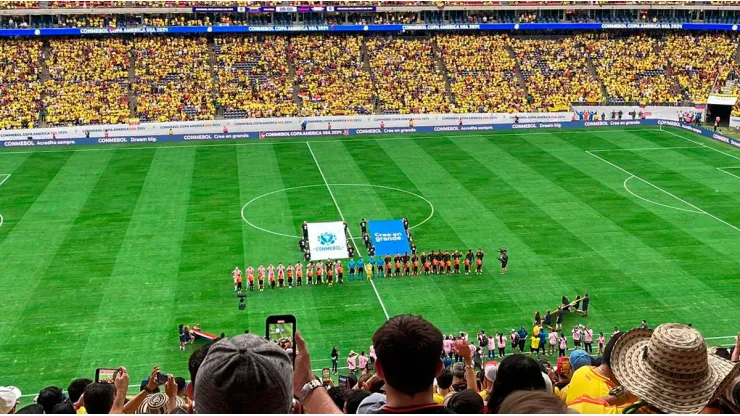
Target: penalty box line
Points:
(699, 210)
(341, 215)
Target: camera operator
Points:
(504, 259)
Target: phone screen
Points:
(105, 374)
(325, 373)
(282, 332)
(162, 379)
(343, 380)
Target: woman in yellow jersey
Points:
(369, 270)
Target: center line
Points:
(351, 239)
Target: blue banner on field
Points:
(388, 237)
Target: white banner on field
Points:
(327, 240)
(734, 122)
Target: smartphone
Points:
(280, 329)
(105, 374)
(325, 373)
(342, 380)
(162, 378)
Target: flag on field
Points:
(327, 240)
(388, 237)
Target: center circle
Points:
(255, 199)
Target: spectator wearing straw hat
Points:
(669, 368)
(9, 397)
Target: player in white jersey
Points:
(235, 274)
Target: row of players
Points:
(441, 262)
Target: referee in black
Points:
(504, 259)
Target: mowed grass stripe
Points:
(30, 175)
(259, 174)
(80, 270)
(476, 226)
(139, 298)
(29, 250)
(570, 224)
(687, 296)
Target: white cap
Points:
(9, 396)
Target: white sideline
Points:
(7, 176)
(351, 239)
(731, 174)
(701, 144)
(645, 148)
(250, 142)
(664, 191)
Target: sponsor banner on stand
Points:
(388, 237)
(327, 240)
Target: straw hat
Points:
(669, 367)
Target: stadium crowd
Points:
(407, 76)
(173, 79)
(409, 369)
(253, 78)
(330, 75)
(20, 89)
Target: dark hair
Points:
(516, 372)
(180, 383)
(196, 359)
(532, 402)
(49, 397)
(444, 379)
(466, 402)
(338, 395)
(408, 349)
(99, 398)
(354, 398)
(607, 357)
(76, 387)
(351, 380)
(31, 409)
(64, 408)
(376, 385)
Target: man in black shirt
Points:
(371, 250)
(409, 368)
(302, 244)
(456, 260)
(423, 257)
(405, 223)
(366, 239)
(334, 359)
(363, 226)
(307, 255)
(479, 261)
(504, 259)
(468, 261)
(305, 230)
(405, 258)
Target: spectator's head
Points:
(408, 350)
(158, 403)
(669, 368)
(458, 372)
(338, 395)
(99, 398)
(49, 397)
(181, 386)
(376, 385)
(244, 374)
(196, 359)
(31, 409)
(516, 372)
(9, 397)
(578, 359)
(354, 398)
(444, 380)
(606, 358)
(351, 380)
(465, 402)
(64, 408)
(532, 402)
(76, 388)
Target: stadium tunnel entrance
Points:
(721, 111)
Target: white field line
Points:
(250, 142)
(653, 202)
(665, 192)
(7, 176)
(700, 144)
(339, 210)
(645, 148)
(731, 174)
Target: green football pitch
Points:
(105, 250)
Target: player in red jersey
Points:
(319, 273)
(330, 275)
(290, 276)
(309, 273)
(298, 274)
(239, 283)
(261, 278)
(340, 272)
(234, 274)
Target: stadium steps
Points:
(592, 70)
(291, 74)
(44, 75)
(365, 58)
(131, 81)
(442, 67)
(212, 64)
(517, 68)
